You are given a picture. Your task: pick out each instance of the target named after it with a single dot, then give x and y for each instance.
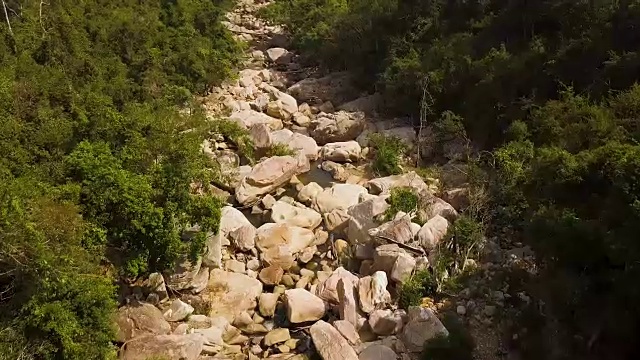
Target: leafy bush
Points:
(421, 284)
(388, 151)
(238, 135)
(401, 199)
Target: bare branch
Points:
(6, 16)
(41, 23)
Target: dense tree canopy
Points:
(549, 88)
(97, 159)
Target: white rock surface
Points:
(346, 151)
(231, 293)
(284, 213)
(303, 306)
(265, 177)
(432, 232)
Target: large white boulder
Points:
(299, 143)
(170, 347)
(363, 218)
(139, 320)
(432, 232)
(345, 151)
(410, 180)
(303, 306)
(271, 235)
(336, 127)
(339, 196)
(248, 118)
(231, 293)
(284, 213)
(372, 291)
(265, 177)
(330, 344)
(336, 87)
(328, 289)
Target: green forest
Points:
(100, 146)
(546, 90)
(96, 161)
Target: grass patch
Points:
(279, 150)
(388, 151)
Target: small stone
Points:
(178, 311)
(307, 272)
(461, 310)
(283, 349)
(288, 281)
(292, 343)
(268, 304)
(307, 254)
(303, 306)
(242, 319)
(235, 266)
(271, 275)
(303, 282)
(276, 336)
(253, 264)
(386, 322)
(255, 349)
(258, 319)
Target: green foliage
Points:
(459, 345)
(99, 161)
(421, 284)
(238, 135)
(401, 199)
(388, 151)
(280, 150)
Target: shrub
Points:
(421, 284)
(401, 199)
(238, 135)
(388, 151)
(280, 150)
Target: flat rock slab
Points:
(330, 344)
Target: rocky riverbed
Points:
(275, 282)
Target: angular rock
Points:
(386, 322)
(278, 55)
(243, 238)
(330, 344)
(232, 219)
(347, 151)
(299, 143)
(398, 230)
(368, 104)
(432, 232)
(372, 291)
(309, 192)
(423, 325)
(271, 275)
(276, 336)
(336, 87)
(377, 352)
(336, 220)
(385, 257)
(458, 198)
(183, 275)
(178, 311)
(155, 284)
(347, 303)
(303, 306)
(436, 206)
(248, 118)
(347, 330)
(267, 304)
(339, 196)
(363, 218)
(235, 266)
(139, 320)
(284, 213)
(307, 254)
(328, 289)
(271, 235)
(336, 127)
(265, 177)
(279, 255)
(170, 347)
(410, 180)
(402, 268)
(261, 135)
(231, 293)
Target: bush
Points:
(401, 199)
(238, 135)
(280, 150)
(388, 151)
(421, 284)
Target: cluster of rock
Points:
(274, 287)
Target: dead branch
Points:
(405, 246)
(44, 31)
(6, 16)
